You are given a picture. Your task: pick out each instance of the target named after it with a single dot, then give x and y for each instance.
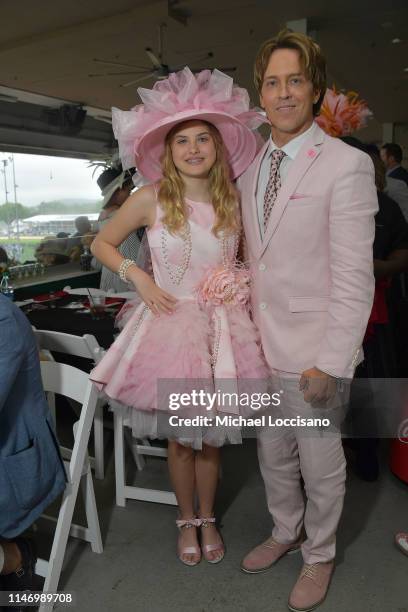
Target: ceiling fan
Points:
(158, 69)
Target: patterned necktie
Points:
(274, 184)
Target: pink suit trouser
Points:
(287, 453)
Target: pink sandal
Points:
(206, 548)
(188, 550)
(401, 540)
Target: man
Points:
(391, 155)
(308, 202)
(32, 474)
(81, 240)
(396, 175)
(83, 226)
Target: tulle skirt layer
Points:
(154, 357)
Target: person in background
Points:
(3, 256)
(81, 239)
(390, 253)
(83, 226)
(4, 261)
(53, 251)
(391, 155)
(391, 233)
(116, 186)
(32, 473)
(396, 176)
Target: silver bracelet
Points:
(123, 268)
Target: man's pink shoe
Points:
(311, 587)
(262, 557)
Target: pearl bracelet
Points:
(123, 268)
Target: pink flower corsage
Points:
(228, 286)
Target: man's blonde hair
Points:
(224, 197)
(311, 58)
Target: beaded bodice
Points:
(181, 261)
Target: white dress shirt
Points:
(291, 149)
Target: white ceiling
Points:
(48, 46)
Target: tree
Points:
(8, 212)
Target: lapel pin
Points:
(311, 153)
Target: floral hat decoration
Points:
(341, 114)
(208, 96)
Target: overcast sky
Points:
(41, 178)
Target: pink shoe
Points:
(311, 587)
(262, 557)
(188, 550)
(206, 548)
(401, 540)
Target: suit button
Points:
(262, 267)
(262, 305)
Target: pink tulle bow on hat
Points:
(224, 286)
(208, 96)
(341, 114)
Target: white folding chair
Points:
(124, 491)
(79, 346)
(60, 378)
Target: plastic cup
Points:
(97, 306)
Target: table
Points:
(55, 278)
(73, 321)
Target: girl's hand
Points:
(155, 298)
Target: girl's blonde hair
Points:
(171, 192)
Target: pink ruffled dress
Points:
(208, 341)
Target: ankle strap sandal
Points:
(208, 548)
(188, 550)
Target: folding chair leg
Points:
(123, 491)
(68, 502)
(132, 444)
(119, 459)
(98, 441)
(91, 512)
(60, 542)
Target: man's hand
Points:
(317, 386)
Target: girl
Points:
(192, 330)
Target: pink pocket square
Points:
(297, 196)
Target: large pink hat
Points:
(208, 96)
